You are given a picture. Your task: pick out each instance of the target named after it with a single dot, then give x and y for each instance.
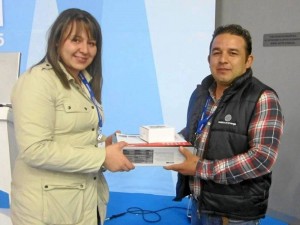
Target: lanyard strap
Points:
(204, 119)
(92, 96)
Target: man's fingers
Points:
(185, 152)
(175, 167)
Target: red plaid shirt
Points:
(264, 133)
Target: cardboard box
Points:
(157, 133)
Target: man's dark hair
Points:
(234, 29)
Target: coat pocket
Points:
(63, 202)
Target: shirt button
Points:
(85, 108)
(93, 107)
(69, 107)
(93, 129)
(95, 178)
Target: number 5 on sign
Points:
(1, 40)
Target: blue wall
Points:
(154, 54)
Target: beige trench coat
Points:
(57, 177)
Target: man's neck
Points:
(219, 91)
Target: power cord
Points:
(144, 213)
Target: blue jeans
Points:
(206, 219)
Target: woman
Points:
(58, 118)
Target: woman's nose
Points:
(84, 47)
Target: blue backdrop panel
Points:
(92, 6)
(130, 93)
(17, 25)
(152, 60)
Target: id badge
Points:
(100, 135)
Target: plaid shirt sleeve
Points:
(264, 132)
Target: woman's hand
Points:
(115, 160)
(109, 139)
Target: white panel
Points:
(8, 148)
(9, 72)
(180, 32)
(44, 15)
(5, 217)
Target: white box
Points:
(142, 153)
(154, 156)
(157, 133)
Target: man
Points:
(235, 123)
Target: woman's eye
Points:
(92, 43)
(76, 40)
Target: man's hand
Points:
(188, 167)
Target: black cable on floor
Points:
(144, 213)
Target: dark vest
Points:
(229, 137)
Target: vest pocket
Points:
(63, 202)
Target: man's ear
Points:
(249, 61)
